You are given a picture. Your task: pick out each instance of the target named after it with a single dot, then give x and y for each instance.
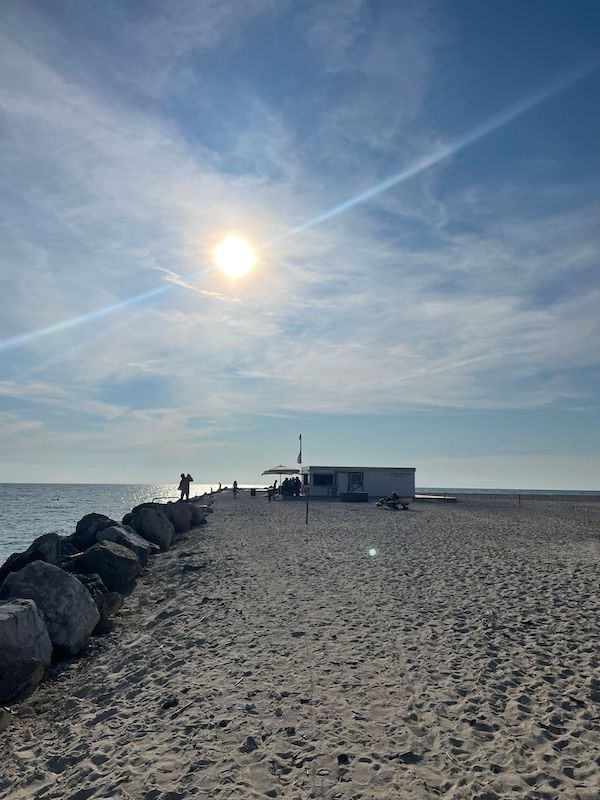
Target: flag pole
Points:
(306, 487)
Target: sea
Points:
(28, 510)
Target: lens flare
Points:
(234, 257)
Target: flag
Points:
(300, 453)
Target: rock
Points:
(66, 550)
(95, 586)
(128, 538)
(63, 602)
(116, 565)
(197, 514)
(179, 515)
(19, 678)
(47, 548)
(44, 548)
(113, 602)
(151, 524)
(87, 528)
(154, 548)
(107, 603)
(5, 719)
(23, 632)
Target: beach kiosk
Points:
(363, 482)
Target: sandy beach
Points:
(263, 658)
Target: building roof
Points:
(364, 469)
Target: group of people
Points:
(290, 487)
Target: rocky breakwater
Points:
(64, 589)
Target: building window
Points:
(322, 479)
(355, 481)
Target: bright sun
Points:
(234, 256)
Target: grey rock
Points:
(151, 524)
(5, 720)
(66, 550)
(87, 528)
(116, 565)
(128, 538)
(19, 678)
(23, 632)
(44, 548)
(113, 601)
(107, 603)
(179, 514)
(153, 547)
(95, 586)
(63, 602)
(197, 514)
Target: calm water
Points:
(29, 510)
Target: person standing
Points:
(235, 488)
(184, 486)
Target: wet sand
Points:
(262, 658)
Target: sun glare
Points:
(234, 256)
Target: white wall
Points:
(376, 482)
(384, 483)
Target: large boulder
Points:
(151, 524)
(23, 632)
(64, 603)
(197, 514)
(19, 678)
(87, 528)
(116, 565)
(107, 603)
(44, 548)
(127, 538)
(179, 514)
(94, 584)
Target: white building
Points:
(375, 481)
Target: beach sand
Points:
(458, 661)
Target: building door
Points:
(355, 481)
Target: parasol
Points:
(281, 470)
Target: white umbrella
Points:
(281, 470)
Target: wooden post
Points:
(307, 493)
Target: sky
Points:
(420, 181)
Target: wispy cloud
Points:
(474, 292)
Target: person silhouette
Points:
(184, 486)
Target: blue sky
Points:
(449, 322)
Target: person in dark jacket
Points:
(184, 486)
